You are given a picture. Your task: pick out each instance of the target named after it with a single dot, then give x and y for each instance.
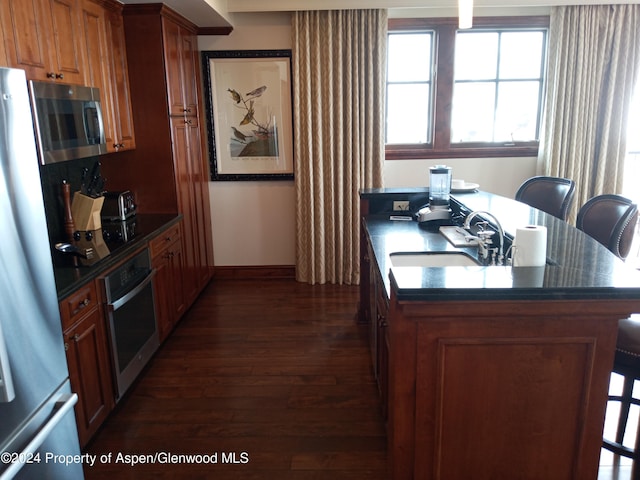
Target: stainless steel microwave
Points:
(68, 121)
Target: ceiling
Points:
(219, 13)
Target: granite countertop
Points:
(578, 267)
(69, 277)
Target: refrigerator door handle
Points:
(62, 406)
(7, 392)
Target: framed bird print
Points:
(248, 110)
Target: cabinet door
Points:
(189, 68)
(181, 129)
(168, 280)
(25, 36)
(4, 62)
(382, 348)
(43, 37)
(99, 74)
(90, 372)
(198, 175)
(173, 65)
(121, 93)
(193, 202)
(67, 54)
(162, 296)
(181, 64)
(176, 263)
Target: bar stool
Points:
(552, 195)
(626, 364)
(611, 220)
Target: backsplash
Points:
(51, 177)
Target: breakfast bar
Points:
(490, 371)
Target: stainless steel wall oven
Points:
(132, 319)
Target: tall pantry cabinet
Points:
(168, 169)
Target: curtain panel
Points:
(594, 58)
(339, 68)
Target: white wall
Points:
(496, 175)
(254, 222)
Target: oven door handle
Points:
(113, 306)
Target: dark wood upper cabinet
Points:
(107, 69)
(43, 37)
(181, 62)
(120, 90)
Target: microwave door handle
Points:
(7, 392)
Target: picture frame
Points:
(249, 114)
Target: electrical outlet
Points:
(401, 205)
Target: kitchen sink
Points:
(432, 259)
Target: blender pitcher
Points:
(439, 187)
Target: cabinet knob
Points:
(51, 75)
(59, 76)
(66, 347)
(76, 337)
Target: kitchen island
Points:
(491, 371)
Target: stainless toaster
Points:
(118, 206)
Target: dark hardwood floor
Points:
(273, 374)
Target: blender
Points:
(439, 190)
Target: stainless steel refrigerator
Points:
(38, 435)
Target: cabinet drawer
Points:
(162, 241)
(77, 304)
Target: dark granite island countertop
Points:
(578, 266)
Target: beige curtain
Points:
(339, 67)
(594, 58)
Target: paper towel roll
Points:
(530, 246)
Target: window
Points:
(409, 87)
(465, 93)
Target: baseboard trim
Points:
(254, 271)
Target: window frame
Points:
(442, 94)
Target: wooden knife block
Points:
(86, 212)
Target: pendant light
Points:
(465, 14)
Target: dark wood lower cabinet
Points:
(90, 372)
(86, 334)
(167, 259)
(494, 389)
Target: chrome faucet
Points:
(484, 238)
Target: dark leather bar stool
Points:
(627, 364)
(552, 195)
(611, 220)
